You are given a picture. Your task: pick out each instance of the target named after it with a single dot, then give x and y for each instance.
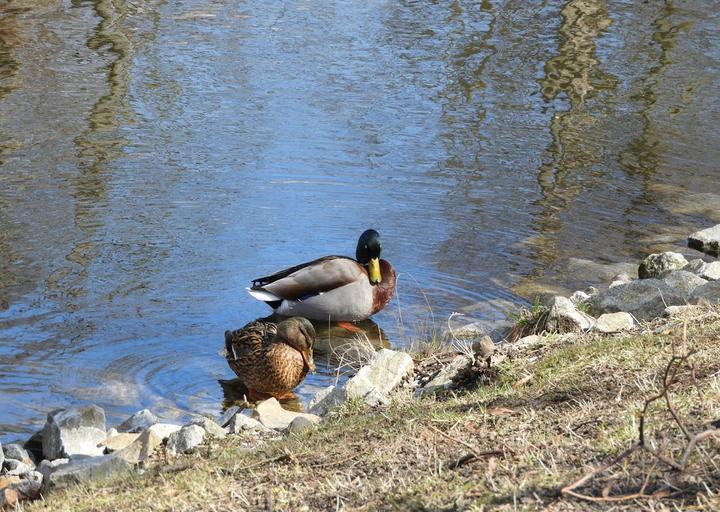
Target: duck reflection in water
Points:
(272, 355)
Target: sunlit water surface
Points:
(156, 156)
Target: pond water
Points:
(156, 156)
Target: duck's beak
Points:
(374, 271)
(308, 360)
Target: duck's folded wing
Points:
(311, 278)
(249, 340)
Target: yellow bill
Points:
(374, 271)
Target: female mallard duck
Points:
(332, 288)
(271, 358)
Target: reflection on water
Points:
(154, 156)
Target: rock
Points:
(325, 400)
(8, 497)
(31, 484)
(645, 299)
(696, 266)
(272, 415)
(445, 377)
(373, 382)
(48, 466)
(209, 426)
(673, 311)
(579, 297)
(16, 467)
(163, 430)
(138, 422)
(239, 422)
(609, 323)
(302, 423)
(564, 317)
(660, 264)
(523, 344)
(224, 420)
(683, 281)
(120, 441)
(2, 455)
(592, 291)
(82, 469)
(711, 271)
(71, 432)
(710, 292)
(112, 432)
(141, 448)
(706, 240)
(185, 439)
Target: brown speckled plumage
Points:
(267, 362)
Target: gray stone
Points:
(271, 414)
(209, 426)
(17, 452)
(444, 379)
(609, 323)
(579, 297)
(710, 292)
(83, 469)
(711, 271)
(138, 422)
(325, 400)
(706, 240)
(227, 415)
(142, 448)
(645, 299)
(523, 344)
(185, 439)
(683, 281)
(374, 381)
(239, 422)
(71, 432)
(163, 430)
(660, 264)
(673, 311)
(695, 266)
(48, 466)
(120, 441)
(302, 423)
(2, 455)
(16, 467)
(564, 317)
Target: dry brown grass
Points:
(550, 418)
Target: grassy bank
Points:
(555, 413)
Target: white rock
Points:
(326, 399)
(141, 448)
(696, 266)
(112, 432)
(444, 379)
(185, 439)
(271, 414)
(660, 264)
(706, 240)
(239, 422)
(302, 423)
(523, 344)
(579, 297)
(689, 309)
(120, 441)
(70, 432)
(374, 381)
(48, 466)
(17, 452)
(564, 317)
(711, 272)
(163, 430)
(138, 422)
(609, 323)
(15, 467)
(209, 426)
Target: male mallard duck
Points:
(332, 288)
(271, 358)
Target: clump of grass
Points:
(528, 321)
